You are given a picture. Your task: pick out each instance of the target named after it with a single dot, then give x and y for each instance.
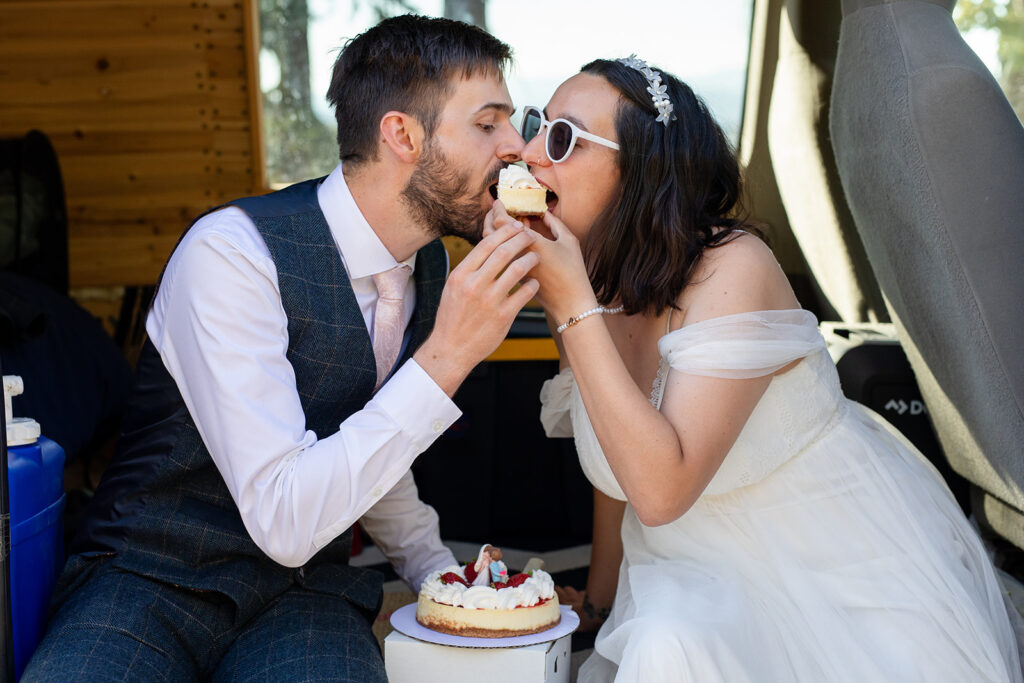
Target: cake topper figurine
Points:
(489, 567)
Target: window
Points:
(705, 44)
(995, 31)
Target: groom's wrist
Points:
(447, 369)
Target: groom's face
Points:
(450, 189)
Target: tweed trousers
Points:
(119, 626)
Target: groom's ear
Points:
(402, 134)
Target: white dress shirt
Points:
(221, 330)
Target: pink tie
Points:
(389, 318)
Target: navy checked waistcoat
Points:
(163, 509)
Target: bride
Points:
(771, 530)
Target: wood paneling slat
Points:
(134, 116)
(118, 19)
(121, 6)
(44, 64)
(233, 138)
(136, 258)
(153, 87)
(144, 204)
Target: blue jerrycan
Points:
(35, 484)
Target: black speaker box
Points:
(495, 477)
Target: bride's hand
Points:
(565, 288)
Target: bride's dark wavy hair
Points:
(678, 184)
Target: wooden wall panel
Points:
(150, 105)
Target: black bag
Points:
(33, 215)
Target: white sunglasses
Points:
(561, 135)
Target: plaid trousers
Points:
(119, 626)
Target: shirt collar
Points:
(361, 249)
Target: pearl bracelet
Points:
(593, 311)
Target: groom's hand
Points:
(478, 305)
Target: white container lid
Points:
(21, 431)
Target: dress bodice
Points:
(799, 406)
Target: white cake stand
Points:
(404, 621)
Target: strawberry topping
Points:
(452, 577)
(517, 580)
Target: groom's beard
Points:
(438, 196)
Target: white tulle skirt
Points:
(851, 562)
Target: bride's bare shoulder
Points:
(739, 276)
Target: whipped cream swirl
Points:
(517, 178)
(540, 586)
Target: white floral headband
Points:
(658, 91)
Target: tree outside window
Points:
(300, 144)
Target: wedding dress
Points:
(825, 548)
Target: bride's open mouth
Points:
(551, 199)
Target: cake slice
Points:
(520, 192)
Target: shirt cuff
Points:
(415, 402)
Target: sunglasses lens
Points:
(559, 140)
(531, 124)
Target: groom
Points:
(301, 354)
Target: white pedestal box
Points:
(408, 660)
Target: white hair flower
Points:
(659, 92)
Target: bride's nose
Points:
(533, 153)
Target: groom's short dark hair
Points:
(406, 64)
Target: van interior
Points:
(883, 160)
